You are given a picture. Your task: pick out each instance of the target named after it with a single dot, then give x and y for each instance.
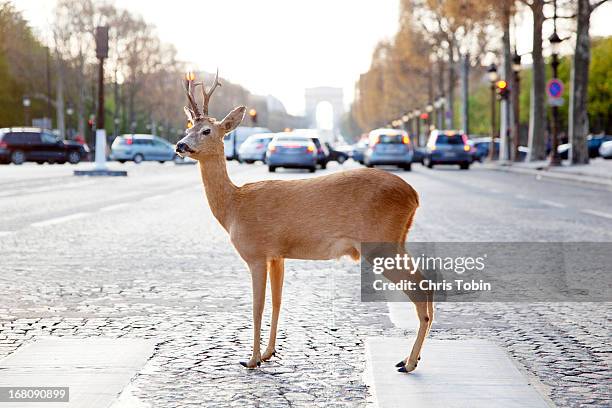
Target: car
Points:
(481, 146)
(141, 147)
(322, 152)
(419, 155)
(336, 155)
(594, 142)
(605, 150)
(291, 151)
(389, 147)
(448, 147)
(254, 148)
(359, 149)
(19, 145)
(235, 138)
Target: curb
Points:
(576, 178)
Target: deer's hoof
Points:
(268, 355)
(400, 364)
(407, 368)
(248, 365)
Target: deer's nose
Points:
(181, 147)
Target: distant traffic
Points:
(308, 149)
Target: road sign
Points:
(554, 87)
(556, 101)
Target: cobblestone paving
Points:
(164, 269)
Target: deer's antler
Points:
(206, 95)
(189, 86)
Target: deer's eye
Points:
(206, 132)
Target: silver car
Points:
(139, 147)
(254, 148)
(389, 147)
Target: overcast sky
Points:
(277, 47)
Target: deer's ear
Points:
(233, 119)
(189, 113)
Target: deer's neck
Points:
(218, 186)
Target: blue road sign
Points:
(554, 87)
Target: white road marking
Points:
(113, 207)
(59, 220)
(521, 197)
(154, 197)
(493, 190)
(5, 233)
(597, 213)
(553, 204)
(96, 369)
(452, 373)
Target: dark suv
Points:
(18, 145)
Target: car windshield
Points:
(390, 139)
(449, 139)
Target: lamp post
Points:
(429, 109)
(444, 120)
(101, 35)
(516, 129)
(417, 114)
(492, 74)
(406, 122)
(116, 122)
(26, 110)
(69, 113)
(555, 42)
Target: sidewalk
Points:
(597, 172)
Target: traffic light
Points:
(502, 90)
(253, 115)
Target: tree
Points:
(579, 83)
(537, 109)
(22, 67)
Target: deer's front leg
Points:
(277, 272)
(258, 277)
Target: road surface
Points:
(142, 257)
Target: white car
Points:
(254, 148)
(605, 150)
(233, 140)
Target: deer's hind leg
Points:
(423, 302)
(276, 271)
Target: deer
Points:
(319, 218)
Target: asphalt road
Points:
(142, 256)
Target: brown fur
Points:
(317, 218)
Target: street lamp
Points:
(429, 109)
(417, 118)
(253, 116)
(555, 42)
(116, 122)
(26, 110)
(516, 129)
(69, 113)
(493, 76)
